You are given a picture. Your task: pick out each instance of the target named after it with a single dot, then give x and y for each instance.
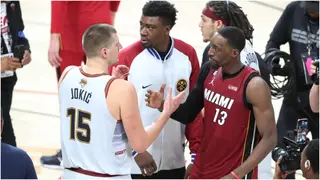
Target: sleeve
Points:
(114, 6)
(205, 57)
(193, 130)
(189, 110)
(21, 37)
(281, 32)
(58, 14)
(30, 171)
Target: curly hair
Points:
(233, 14)
(312, 153)
(163, 9)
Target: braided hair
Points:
(233, 14)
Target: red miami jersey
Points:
(230, 132)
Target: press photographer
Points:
(298, 26)
(15, 53)
(314, 92)
(309, 162)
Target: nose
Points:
(211, 51)
(143, 31)
(120, 46)
(200, 24)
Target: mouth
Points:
(144, 40)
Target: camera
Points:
(18, 51)
(295, 141)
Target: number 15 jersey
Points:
(229, 124)
(91, 139)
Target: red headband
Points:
(212, 15)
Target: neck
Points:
(96, 66)
(164, 45)
(232, 68)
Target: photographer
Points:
(309, 163)
(14, 54)
(298, 26)
(314, 92)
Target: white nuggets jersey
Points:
(248, 56)
(91, 139)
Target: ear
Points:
(167, 29)
(104, 52)
(219, 24)
(307, 164)
(235, 53)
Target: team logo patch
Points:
(83, 82)
(181, 85)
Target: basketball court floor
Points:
(35, 110)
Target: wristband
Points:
(134, 153)
(234, 175)
(193, 156)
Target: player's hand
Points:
(188, 171)
(172, 103)
(154, 98)
(121, 72)
(146, 163)
(278, 174)
(26, 57)
(10, 64)
(54, 49)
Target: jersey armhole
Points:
(64, 74)
(244, 96)
(106, 90)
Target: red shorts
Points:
(70, 58)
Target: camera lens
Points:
(277, 152)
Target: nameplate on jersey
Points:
(5, 74)
(218, 99)
(80, 94)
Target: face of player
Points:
(220, 52)
(112, 51)
(306, 170)
(152, 31)
(208, 27)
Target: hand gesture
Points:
(26, 58)
(121, 72)
(54, 49)
(146, 163)
(10, 64)
(278, 174)
(154, 99)
(172, 103)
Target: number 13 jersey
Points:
(91, 139)
(229, 124)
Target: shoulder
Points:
(256, 83)
(292, 6)
(132, 50)
(13, 152)
(122, 86)
(183, 47)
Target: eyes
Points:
(148, 26)
(215, 48)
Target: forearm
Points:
(265, 146)
(152, 132)
(314, 98)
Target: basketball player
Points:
(99, 114)
(239, 126)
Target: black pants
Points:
(163, 174)
(6, 100)
(289, 114)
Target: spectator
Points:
(12, 36)
(15, 163)
(314, 92)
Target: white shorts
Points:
(67, 174)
